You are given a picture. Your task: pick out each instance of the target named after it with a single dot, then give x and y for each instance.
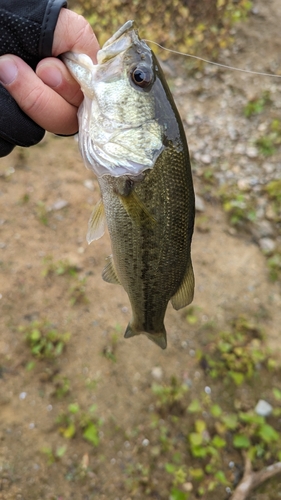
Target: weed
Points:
(257, 105)
(78, 292)
(274, 265)
(59, 268)
(42, 213)
(268, 143)
(75, 421)
(109, 351)
(238, 353)
(169, 396)
(273, 189)
(62, 386)
(45, 342)
(238, 206)
(54, 454)
(192, 315)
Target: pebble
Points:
(263, 229)
(199, 203)
(267, 245)
(252, 152)
(187, 486)
(89, 184)
(206, 159)
(263, 408)
(58, 205)
(157, 373)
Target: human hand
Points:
(50, 96)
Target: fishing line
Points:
(225, 66)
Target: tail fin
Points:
(158, 338)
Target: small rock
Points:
(263, 408)
(59, 204)
(263, 229)
(206, 159)
(267, 245)
(269, 213)
(240, 149)
(252, 152)
(89, 184)
(157, 373)
(268, 167)
(243, 184)
(199, 203)
(187, 486)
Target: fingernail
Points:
(50, 75)
(8, 70)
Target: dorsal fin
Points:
(109, 273)
(96, 224)
(185, 292)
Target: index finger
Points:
(74, 33)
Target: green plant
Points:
(169, 396)
(238, 352)
(256, 106)
(62, 386)
(185, 26)
(44, 340)
(238, 206)
(42, 213)
(75, 421)
(59, 268)
(274, 265)
(78, 292)
(273, 190)
(268, 143)
(54, 454)
(109, 350)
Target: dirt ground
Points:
(46, 198)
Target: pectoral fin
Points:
(136, 209)
(109, 273)
(185, 292)
(96, 224)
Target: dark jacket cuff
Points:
(48, 27)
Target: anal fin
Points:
(184, 294)
(109, 273)
(96, 224)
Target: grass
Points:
(43, 340)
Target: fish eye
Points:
(142, 77)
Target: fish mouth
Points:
(119, 42)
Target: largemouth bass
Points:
(132, 137)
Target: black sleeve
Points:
(26, 30)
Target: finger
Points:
(54, 73)
(41, 103)
(74, 33)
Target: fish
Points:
(132, 137)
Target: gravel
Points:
(223, 144)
